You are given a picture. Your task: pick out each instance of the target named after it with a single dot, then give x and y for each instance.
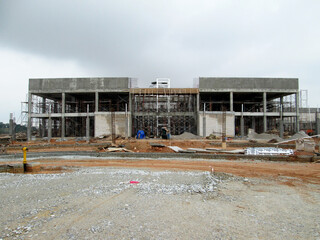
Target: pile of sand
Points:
(263, 137)
(298, 135)
(185, 135)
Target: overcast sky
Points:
(146, 39)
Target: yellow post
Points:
(25, 149)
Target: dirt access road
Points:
(305, 172)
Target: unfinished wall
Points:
(103, 124)
(208, 84)
(59, 85)
(211, 123)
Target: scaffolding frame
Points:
(155, 108)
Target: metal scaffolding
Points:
(155, 108)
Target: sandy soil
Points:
(132, 144)
(306, 172)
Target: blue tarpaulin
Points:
(140, 134)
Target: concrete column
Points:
(127, 123)
(264, 112)
(11, 126)
(253, 126)
(130, 110)
(297, 112)
(242, 123)
(130, 103)
(242, 126)
(198, 113)
(317, 123)
(281, 118)
(204, 124)
(49, 124)
(231, 101)
(96, 102)
(49, 128)
(29, 116)
(88, 124)
(55, 110)
(14, 125)
(63, 120)
(88, 128)
(43, 127)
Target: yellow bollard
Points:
(25, 149)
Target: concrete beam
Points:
(249, 83)
(58, 85)
(164, 114)
(246, 90)
(59, 115)
(268, 114)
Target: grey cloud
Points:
(178, 39)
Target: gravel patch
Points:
(100, 203)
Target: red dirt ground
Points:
(306, 172)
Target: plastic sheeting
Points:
(268, 151)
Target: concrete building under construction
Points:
(91, 107)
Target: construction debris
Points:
(157, 145)
(211, 137)
(305, 145)
(117, 149)
(5, 139)
(21, 136)
(186, 135)
(180, 150)
(299, 135)
(263, 137)
(219, 150)
(3, 148)
(208, 150)
(197, 150)
(268, 151)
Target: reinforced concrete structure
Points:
(90, 107)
